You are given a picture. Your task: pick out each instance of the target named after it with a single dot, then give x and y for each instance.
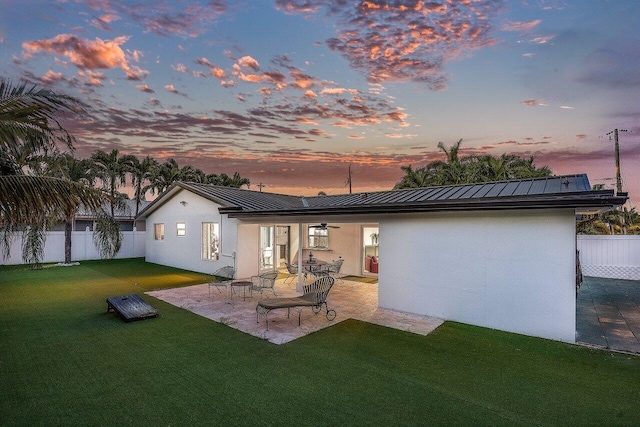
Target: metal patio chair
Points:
(333, 269)
(264, 282)
(293, 271)
(228, 273)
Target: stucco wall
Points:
(343, 242)
(186, 251)
(513, 271)
(248, 250)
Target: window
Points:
(158, 231)
(210, 240)
(318, 237)
(181, 227)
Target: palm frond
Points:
(32, 199)
(29, 115)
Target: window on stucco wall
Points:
(318, 237)
(181, 228)
(210, 240)
(158, 231)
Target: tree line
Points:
(43, 183)
(455, 169)
(470, 169)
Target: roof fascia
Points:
(596, 200)
(159, 201)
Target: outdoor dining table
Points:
(313, 267)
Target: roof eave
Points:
(558, 201)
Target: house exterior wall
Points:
(248, 261)
(513, 271)
(186, 251)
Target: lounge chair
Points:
(228, 273)
(264, 282)
(315, 296)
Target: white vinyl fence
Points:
(82, 247)
(613, 257)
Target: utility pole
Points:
(617, 153)
(349, 179)
(260, 186)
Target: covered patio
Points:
(351, 300)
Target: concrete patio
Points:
(607, 311)
(608, 314)
(351, 300)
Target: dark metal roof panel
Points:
(495, 189)
(537, 187)
(509, 189)
(523, 188)
(245, 199)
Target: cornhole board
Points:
(131, 308)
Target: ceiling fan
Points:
(324, 226)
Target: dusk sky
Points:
(290, 93)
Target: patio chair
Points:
(292, 270)
(228, 273)
(333, 269)
(315, 296)
(264, 282)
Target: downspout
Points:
(300, 271)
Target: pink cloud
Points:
(542, 39)
(171, 88)
(520, 26)
(103, 21)
(399, 41)
(92, 78)
(218, 73)
(145, 88)
(533, 102)
(87, 54)
(337, 91)
(166, 19)
(181, 68)
(249, 62)
(52, 77)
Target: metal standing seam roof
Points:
(547, 192)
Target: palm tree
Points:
(412, 178)
(469, 169)
(112, 170)
(141, 174)
(68, 167)
(617, 221)
(236, 181)
(29, 123)
(164, 176)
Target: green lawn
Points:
(65, 361)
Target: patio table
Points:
(313, 267)
(241, 283)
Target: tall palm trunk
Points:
(68, 227)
